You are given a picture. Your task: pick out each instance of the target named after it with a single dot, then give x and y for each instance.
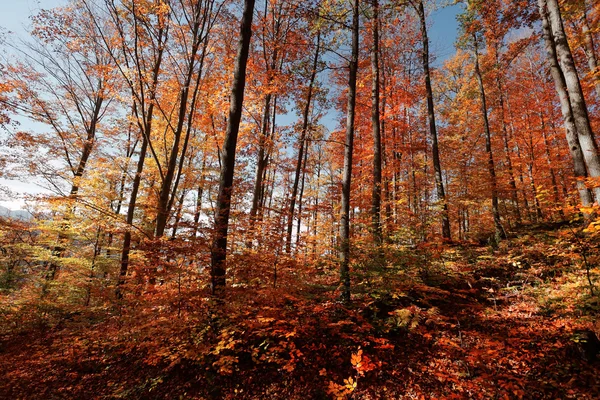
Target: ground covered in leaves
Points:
(452, 321)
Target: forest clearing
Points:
(285, 199)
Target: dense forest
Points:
(291, 199)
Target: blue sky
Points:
(15, 15)
(443, 32)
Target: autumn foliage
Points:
(301, 199)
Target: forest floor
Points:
(460, 321)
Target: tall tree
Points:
(222, 210)
(566, 109)
(302, 141)
(574, 90)
(499, 230)
(275, 26)
(376, 123)
(349, 147)
(439, 183)
(70, 92)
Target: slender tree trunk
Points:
(130, 214)
(301, 141)
(262, 162)
(376, 123)
(348, 150)
(439, 184)
(117, 210)
(566, 109)
(500, 234)
(511, 175)
(178, 215)
(219, 244)
(300, 196)
(200, 194)
(550, 163)
(168, 190)
(316, 210)
(538, 209)
(86, 151)
(146, 129)
(578, 106)
(385, 160)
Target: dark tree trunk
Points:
(500, 234)
(439, 184)
(301, 141)
(376, 123)
(130, 214)
(219, 244)
(300, 196)
(170, 182)
(262, 161)
(86, 151)
(347, 174)
(511, 175)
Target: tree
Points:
(376, 123)
(349, 147)
(69, 90)
(566, 109)
(574, 90)
(302, 141)
(222, 210)
(432, 127)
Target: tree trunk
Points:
(347, 175)
(500, 234)
(261, 163)
(550, 165)
(219, 244)
(376, 123)
(130, 214)
(578, 106)
(170, 182)
(300, 195)
(511, 175)
(567, 112)
(446, 233)
(86, 151)
(302, 139)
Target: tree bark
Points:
(439, 184)
(301, 141)
(219, 244)
(576, 98)
(499, 230)
(376, 123)
(347, 174)
(170, 182)
(130, 214)
(300, 196)
(511, 175)
(86, 151)
(566, 109)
